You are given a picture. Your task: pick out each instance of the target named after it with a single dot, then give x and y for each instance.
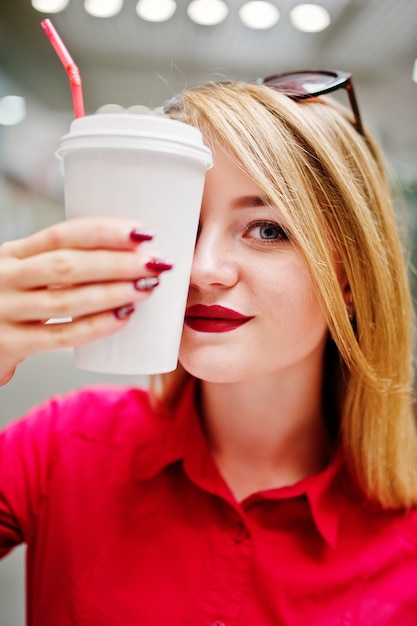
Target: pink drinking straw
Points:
(70, 67)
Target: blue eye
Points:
(266, 232)
(270, 231)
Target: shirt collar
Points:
(324, 492)
(164, 435)
(177, 436)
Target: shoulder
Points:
(107, 415)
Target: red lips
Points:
(214, 318)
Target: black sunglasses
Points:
(303, 85)
(309, 84)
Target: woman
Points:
(272, 478)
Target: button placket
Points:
(230, 570)
(240, 533)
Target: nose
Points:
(214, 262)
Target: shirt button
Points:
(217, 623)
(239, 534)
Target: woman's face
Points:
(252, 310)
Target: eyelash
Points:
(281, 234)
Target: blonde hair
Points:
(329, 184)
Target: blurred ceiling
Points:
(128, 60)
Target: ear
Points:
(344, 283)
(346, 292)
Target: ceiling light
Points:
(415, 71)
(156, 10)
(207, 12)
(259, 15)
(103, 8)
(12, 110)
(50, 6)
(310, 18)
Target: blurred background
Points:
(131, 52)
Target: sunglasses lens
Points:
(302, 83)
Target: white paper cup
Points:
(150, 169)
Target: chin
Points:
(215, 371)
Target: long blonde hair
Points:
(329, 184)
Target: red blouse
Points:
(128, 522)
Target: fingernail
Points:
(124, 311)
(140, 235)
(159, 265)
(146, 284)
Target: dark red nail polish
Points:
(158, 265)
(124, 311)
(140, 235)
(147, 283)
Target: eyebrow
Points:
(247, 202)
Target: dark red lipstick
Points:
(214, 318)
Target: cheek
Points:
(286, 286)
(289, 299)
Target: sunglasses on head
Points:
(307, 84)
(310, 84)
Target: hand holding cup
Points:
(94, 271)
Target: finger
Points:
(31, 306)
(84, 233)
(82, 330)
(44, 337)
(74, 267)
